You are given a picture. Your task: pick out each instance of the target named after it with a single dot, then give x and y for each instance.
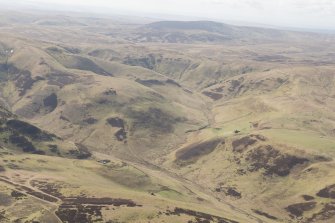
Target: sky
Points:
(314, 14)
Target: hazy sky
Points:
(295, 13)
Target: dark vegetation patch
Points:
(152, 82)
(320, 158)
(82, 63)
(52, 188)
(99, 52)
(213, 95)
(3, 216)
(22, 78)
(298, 210)
(262, 213)
(79, 209)
(23, 143)
(233, 192)
(90, 121)
(60, 79)
(72, 50)
(172, 82)
(50, 102)
(110, 91)
(24, 82)
(13, 166)
(327, 212)
(39, 152)
(54, 149)
(54, 49)
(234, 84)
(148, 62)
(38, 194)
(229, 191)
(116, 122)
(149, 83)
(240, 145)
(327, 192)
(62, 117)
(273, 161)
(154, 119)
(4, 115)
(100, 201)
(87, 210)
(29, 130)
(218, 89)
(196, 130)
(30, 191)
(2, 169)
(17, 195)
(193, 152)
(307, 197)
(80, 213)
(121, 135)
(81, 152)
(259, 137)
(7, 70)
(199, 216)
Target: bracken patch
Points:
(298, 210)
(327, 192)
(273, 161)
(240, 145)
(193, 152)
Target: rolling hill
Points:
(105, 120)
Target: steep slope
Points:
(79, 103)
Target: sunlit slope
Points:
(270, 144)
(174, 122)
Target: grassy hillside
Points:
(109, 121)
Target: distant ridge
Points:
(209, 26)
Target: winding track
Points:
(45, 198)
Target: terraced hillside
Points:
(103, 120)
